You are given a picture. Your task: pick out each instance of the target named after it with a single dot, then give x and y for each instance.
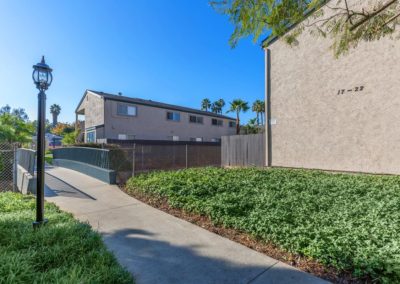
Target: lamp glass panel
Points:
(43, 76)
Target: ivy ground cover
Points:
(346, 221)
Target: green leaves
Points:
(15, 129)
(351, 222)
(347, 23)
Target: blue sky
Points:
(171, 51)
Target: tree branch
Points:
(373, 14)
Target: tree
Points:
(220, 105)
(251, 127)
(70, 138)
(62, 128)
(347, 24)
(216, 107)
(5, 109)
(259, 108)
(55, 110)
(205, 104)
(238, 106)
(19, 112)
(15, 129)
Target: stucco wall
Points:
(93, 106)
(151, 123)
(315, 127)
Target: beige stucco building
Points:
(334, 114)
(124, 118)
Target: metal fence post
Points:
(133, 159)
(15, 177)
(142, 158)
(186, 155)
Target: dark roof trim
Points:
(94, 127)
(138, 101)
(273, 38)
(80, 102)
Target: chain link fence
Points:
(130, 159)
(141, 158)
(7, 166)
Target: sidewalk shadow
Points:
(155, 261)
(57, 187)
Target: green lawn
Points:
(350, 222)
(63, 251)
(48, 157)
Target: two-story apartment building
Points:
(120, 117)
(333, 113)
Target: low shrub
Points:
(348, 221)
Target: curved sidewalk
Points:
(159, 248)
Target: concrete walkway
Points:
(159, 248)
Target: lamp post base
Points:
(37, 224)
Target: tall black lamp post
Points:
(42, 78)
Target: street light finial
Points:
(43, 59)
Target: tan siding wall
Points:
(317, 128)
(151, 123)
(94, 110)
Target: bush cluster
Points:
(348, 221)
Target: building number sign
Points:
(355, 89)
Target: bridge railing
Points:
(91, 161)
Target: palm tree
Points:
(237, 106)
(259, 108)
(262, 112)
(220, 103)
(214, 108)
(55, 110)
(205, 104)
(255, 108)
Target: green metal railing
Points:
(92, 156)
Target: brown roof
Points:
(139, 101)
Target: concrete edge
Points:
(26, 183)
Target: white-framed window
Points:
(196, 139)
(215, 139)
(91, 137)
(122, 137)
(232, 124)
(196, 119)
(126, 110)
(216, 122)
(174, 116)
(173, 138)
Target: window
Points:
(215, 139)
(196, 139)
(195, 119)
(122, 136)
(217, 122)
(232, 124)
(174, 116)
(91, 137)
(174, 138)
(126, 110)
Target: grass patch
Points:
(63, 251)
(49, 158)
(349, 222)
